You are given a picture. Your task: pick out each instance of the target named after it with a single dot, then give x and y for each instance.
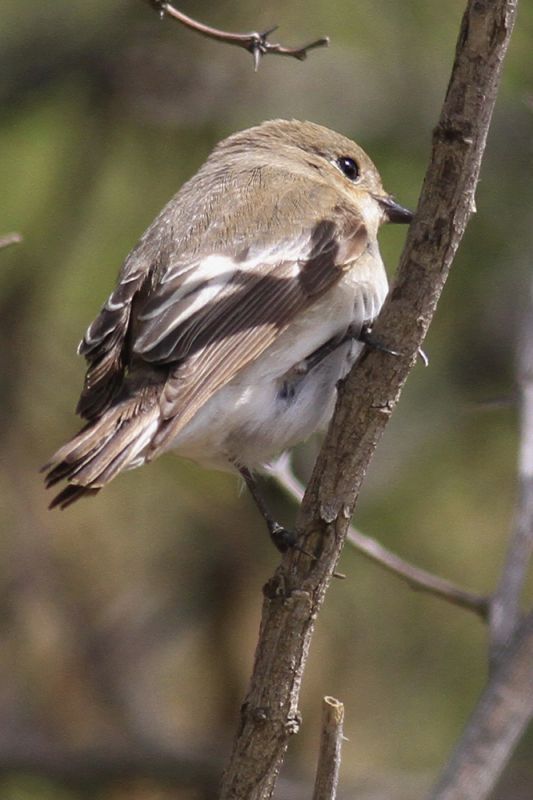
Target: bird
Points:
(236, 315)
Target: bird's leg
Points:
(282, 538)
(324, 351)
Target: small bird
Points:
(235, 316)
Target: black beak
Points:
(394, 212)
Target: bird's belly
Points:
(288, 410)
(250, 423)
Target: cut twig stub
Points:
(329, 757)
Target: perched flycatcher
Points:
(238, 311)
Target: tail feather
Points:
(70, 494)
(129, 438)
(72, 457)
(102, 449)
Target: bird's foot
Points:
(285, 539)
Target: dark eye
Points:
(348, 167)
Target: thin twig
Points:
(505, 605)
(329, 756)
(10, 238)
(255, 43)
(418, 579)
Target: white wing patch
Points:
(186, 290)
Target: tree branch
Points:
(255, 43)
(294, 595)
(418, 579)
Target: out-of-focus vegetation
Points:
(129, 620)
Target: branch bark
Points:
(294, 595)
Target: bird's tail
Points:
(102, 449)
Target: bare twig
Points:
(295, 594)
(255, 43)
(329, 757)
(10, 238)
(505, 605)
(418, 579)
(500, 717)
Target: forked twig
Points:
(418, 579)
(255, 43)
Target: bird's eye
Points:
(348, 167)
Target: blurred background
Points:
(128, 622)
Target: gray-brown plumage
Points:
(266, 254)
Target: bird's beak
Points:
(394, 212)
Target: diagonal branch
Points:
(294, 595)
(418, 579)
(255, 43)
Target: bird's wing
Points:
(209, 323)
